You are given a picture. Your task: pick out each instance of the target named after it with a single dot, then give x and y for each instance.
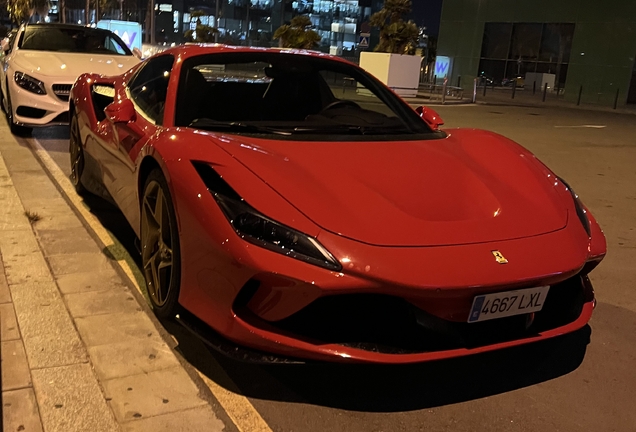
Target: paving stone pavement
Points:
(79, 353)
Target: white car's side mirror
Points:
(137, 53)
(4, 43)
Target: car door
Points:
(147, 91)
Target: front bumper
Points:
(273, 304)
(371, 328)
(33, 110)
(388, 329)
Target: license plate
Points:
(508, 303)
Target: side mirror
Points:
(137, 53)
(121, 111)
(4, 43)
(430, 117)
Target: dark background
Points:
(427, 13)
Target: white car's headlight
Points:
(29, 83)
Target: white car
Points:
(42, 61)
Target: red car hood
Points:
(471, 187)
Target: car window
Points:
(74, 40)
(112, 45)
(149, 87)
(285, 94)
(346, 89)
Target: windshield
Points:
(74, 40)
(286, 94)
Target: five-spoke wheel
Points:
(77, 156)
(160, 245)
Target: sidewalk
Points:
(79, 350)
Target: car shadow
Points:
(115, 222)
(390, 388)
(55, 140)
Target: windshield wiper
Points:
(214, 125)
(385, 130)
(340, 129)
(352, 129)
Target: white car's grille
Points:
(62, 91)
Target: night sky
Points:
(427, 13)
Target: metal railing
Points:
(440, 92)
(534, 93)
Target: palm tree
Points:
(204, 33)
(19, 10)
(297, 34)
(396, 35)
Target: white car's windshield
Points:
(72, 39)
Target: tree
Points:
(297, 34)
(203, 33)
(432, 50)
(22, 10)
(19, 10)
(396, 35)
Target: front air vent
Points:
(62, 91)
(214, 182)
(104, 90)
(30, 112)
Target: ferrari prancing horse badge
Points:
(499, 257)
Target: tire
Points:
(160, 249)
(3, 104)
(76, 153)
(15, 129)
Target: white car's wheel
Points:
(15, 129)
(3, 102)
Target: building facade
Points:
(253, 22)
(589, 45)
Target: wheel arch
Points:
(148, 164)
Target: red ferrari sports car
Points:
(291, 204)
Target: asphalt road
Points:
(581, 382)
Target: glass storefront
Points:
(509, 50)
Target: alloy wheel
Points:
(77, 156)
(15, 129)
(8, 108)
(156, 242)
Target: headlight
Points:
(29, 83)
(260, 230)
(580, 209)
